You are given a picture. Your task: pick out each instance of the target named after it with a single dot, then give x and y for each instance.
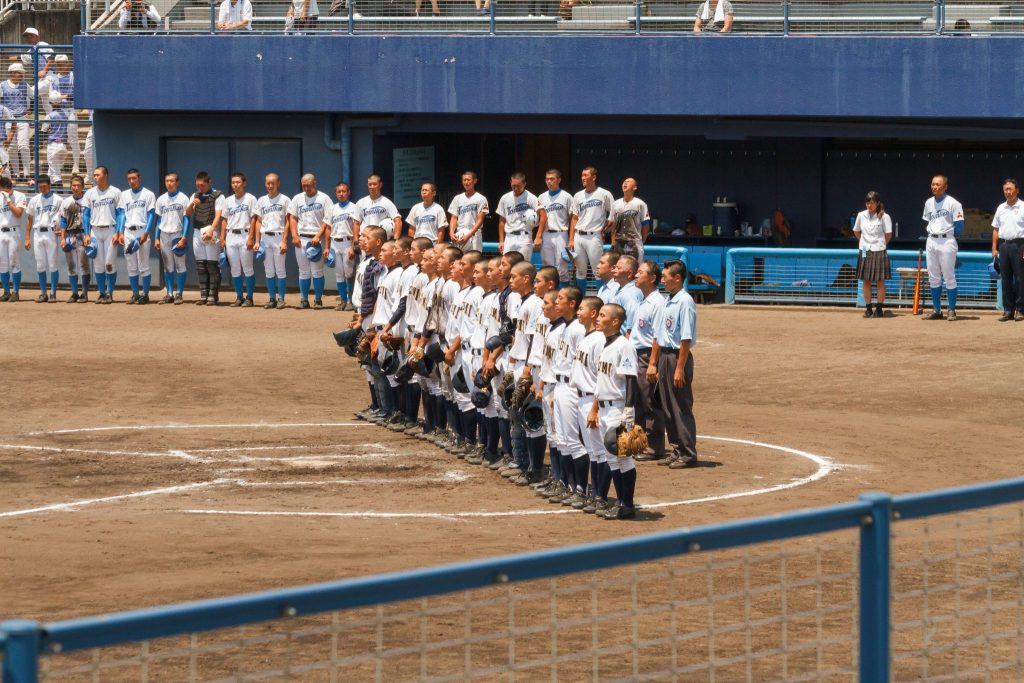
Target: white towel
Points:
(719, 12)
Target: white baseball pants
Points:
(308, 268)
(56, 153)
(567, 419)
(172, 263)
(589, 248)
(44, 248)
(10, 252)
(274, 263)
(20, 158)
(205, 250)
(553, 243)
(344, 265)
(138, 263)
(106, 252)
(521, 242)
(239, 258)
(940, 255)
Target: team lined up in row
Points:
(507, 364)
(237, 229)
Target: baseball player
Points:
(945, 220)
(342, 223)
(534, 324)
(631, 222)
(56, 144)
(515, 229)
(409, 253)
(648, 277)
(376, 209)
(552, 325)
(5, 159)
(1007, 243)
(583, 379)
(12, 207)
(72, 228)
(43, 213)
(461, 273)
(523, 311)
(306, 213)
(467, 212)
(100, 212)
(388, 296)
(364, 290)
(89, 149)
(272, 230)
(605, 273)
(671, 366)
(628, 295)
(421, 332)
(173, 227)
(135, 220)
(238, 239)
(613, 405)
(62, 84)
(14, 96)
(503, 314)
(204, 208)
(591, 219)
(427, 219)
(553, 226)
(449, 270)
(566, 400)
(476, 304)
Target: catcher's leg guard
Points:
(214, 268)
(204, 279)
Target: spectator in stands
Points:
(962, 27)
(235, 15)
(303, 14)
(62, 81)
(435, 8)
(45, 52)
(714, 16)
(57, 143)
(136, 15)
(14, 96)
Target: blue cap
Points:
(332, 258)
(68, 244)
(132, 246)
(91, 250)
(314, 252)
(222, 259)
(261, 251)
(179, 251)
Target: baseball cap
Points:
(15, 68)
(60, 58)
(31, 32)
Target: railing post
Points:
(938, 17)
(21, 651)
(213, 17)
(492, 6)
(730, 277)
(35, 111)
(639, 9)
(785, 17)
(351, 19)
(83, 27)
(875, 548)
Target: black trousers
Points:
(1011, 272)
(677, 404)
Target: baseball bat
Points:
(917, 283)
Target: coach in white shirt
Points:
(235, 15)
(1008, 247)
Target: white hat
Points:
(15, 68)
(55, 97)
(31, 32)
(60, 58)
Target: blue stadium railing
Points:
(24, 642)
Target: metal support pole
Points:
(938, 17)
(875, 549)
(639, 9)
(21, 651)
(213, 17)
(351, 19)
(785, 17)
(493, 7)
(35, 112)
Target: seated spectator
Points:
(235, 15)
(302, 15)
(962, 27)
(714, 16)
(136, 15)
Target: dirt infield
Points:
(249, 411)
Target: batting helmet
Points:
(331, 259)
(530, 218)
(480, 398)
(132, 246)
(480, 381)
(91, 251)
(506, 395)
(388, 224)
(68, 244)
(390, 364)
(222, 260)
(611, 441)
(179, 251)
(568, 255)
(993, 268)
(424, 367)
(494, 343)
(459, 382)
(434, 352)
(348, 340)
(404, 374)
(261, 251)
(533, 415)
(314, 252)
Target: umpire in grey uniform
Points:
(671, 366)
(648, 414)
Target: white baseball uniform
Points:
(340, 219)
(583, 379)
(518, 237)
(616, 363)
(372, 212)
(102, 206)
(137, 207)
(941, 248)
(272, 212)
(428, 221)
(631, 217)
(10, 232)
(593, 210)
(566, 400)
(170, 212)
(238, 212)
(309, 212)
(555, 239)
(466, 209)
(15, 99)
(552, 331)
(45, 213)
(203, 248)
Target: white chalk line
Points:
(187, 455)
(109, 499)
(237, 425)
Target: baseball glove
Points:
(364, 348)
(632, 442)
(415, 358)
(392, 342)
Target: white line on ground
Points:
(238, 425)
(109, 499)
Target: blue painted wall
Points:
(869, 77)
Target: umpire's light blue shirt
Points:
(642, 336)
(606, 292)
(629, 297)
(676, 321)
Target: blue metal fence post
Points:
(83, 27)
(213, 17)
(938, 17)
(351, 19)
(35, 112)
(639, 9)
(875, 550)
(493, 8)
(730, 277)
(21, 651)
(785, 17)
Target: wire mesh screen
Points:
(958, 596)
(980, 17)
(976, 288)
(788, 278)
(861, 16)
(774, 612)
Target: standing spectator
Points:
(1008, 247)
(235, 15)
(56, 143)
(945, 218)
(873, 228)
(303, 14)
(714, 16)
(14, 96)
(62, 81)
(38, 60)
(136, 15)
(632, 222)
(90, 149)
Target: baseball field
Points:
(157, 454)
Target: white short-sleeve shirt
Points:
(427, 220)
(557, 206)
(593, 210)
(309, 212)
(873, 228)
(170, 210)
(1009, 220)
(272, 212)
(940, 215)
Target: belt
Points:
(97, 227)
(237, 232)
(583, 394)
(612, 404)
(465, 346)
(43, 229)
(8, 229)
(272, 234)
(591, 232)
(554, 231)
(475, 352)
(517, 232)
(136, 227)
(341, 239)
(943, 235)
(307, 237)
(646, 349)
(1015, 240)
(562, 378)
(669, 349)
